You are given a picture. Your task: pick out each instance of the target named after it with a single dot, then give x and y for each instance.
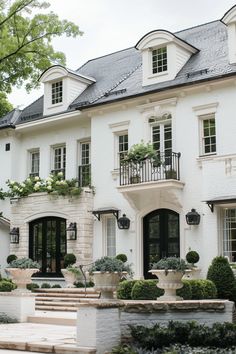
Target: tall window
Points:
(208, 135)
(162, 138)
(159, 60)
(229, 234)
(122, 146)
(111, 236)
(57, 90)
(34, 163)
(85, 166)
(59, 159)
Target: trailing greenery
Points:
(222, 276)
(220, 335)
(23, 263)
(171, 263)
(69, 259)
(192, 257)
(146, 290)
(122, 257)
(32, 286)
(110, 264)
(54, 185)
(45, 286)
(10, 258)
(124, 289)
(6, 285)
(74, 269)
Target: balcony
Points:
(165, 167)
(84, 175)
(152, 181)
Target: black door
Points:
(160, 237)
(47, 244)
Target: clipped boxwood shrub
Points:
(202, 289)
(124, 289)
(146, 290)
(186, 291)
(122, 257)
(10, 258)
(32, 286)
(69, 259)
(6, 285)
(56, 286)
(222, 276)
(45, 286)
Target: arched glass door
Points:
(160, 237)
(47, 244)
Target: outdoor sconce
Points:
(192, 217)
(123, 222)
(71, 231)
(14, 235)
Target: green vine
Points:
(53, 184)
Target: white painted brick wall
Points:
(16, 305)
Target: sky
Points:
(113, 25)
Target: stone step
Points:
(57, 303)
(70, 299)
(67, 290)
(55, 308)
(68, 296)
(43, 347)
(52, 320)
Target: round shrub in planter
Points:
(122, 257)
(192, 257)
(69, 259)
(222, 276)
(10, 258)
(124, 289)
(146, 290)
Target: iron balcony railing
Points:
(84, 175)
(163, 167)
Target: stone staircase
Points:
(63, 299)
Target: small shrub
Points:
(124, 289)
(122, 257)
(186, 291)
(146, 290)
(32, 286)
(56, 286)
(202, 289)
(222, 276)
(7, 319)
(45, 286)
(10, 258)
(192, 257)
(80, 284)
(6, 285)
(69, 259)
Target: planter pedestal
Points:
(170, 282)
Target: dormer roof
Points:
(59, 71)
(229, 16)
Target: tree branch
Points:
(18, 9)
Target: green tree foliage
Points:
(26, 33)
(5, 105)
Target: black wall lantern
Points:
(192, 217)
(14, 235)
(123, 222)
(71, 231)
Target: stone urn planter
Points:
(195, 274)
(106, 283)
(170, 281)
(21, 277)
(71, 277)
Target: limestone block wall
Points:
(73, 209)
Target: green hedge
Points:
(124, 289)
(186, 291)
(7, 285)
(146, 290)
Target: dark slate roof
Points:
(9, 119)
(119, 75)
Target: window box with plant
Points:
(170, 271)
(107, 272)
(21, 271)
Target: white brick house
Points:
(176, 90)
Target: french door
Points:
(160, 237)
(47, 244)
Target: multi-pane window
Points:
(229, 234)
(111, 236)
(84, 167)
(59, 159)
(122, 146)
(34, 163)
(162, 138)
(208, 135)
(159, 60)
(57, 89)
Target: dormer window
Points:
(159, 60)
(57, 92)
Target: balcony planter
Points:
(170, 271)
(21, 271)
(107, 272)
